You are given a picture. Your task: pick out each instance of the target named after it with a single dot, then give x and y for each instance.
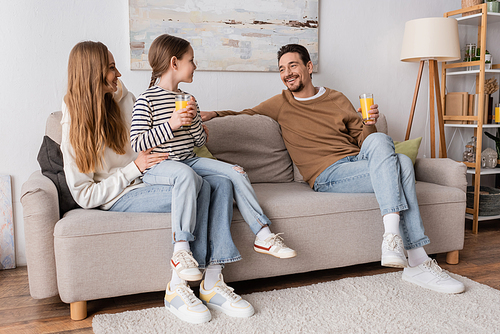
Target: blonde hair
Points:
(96, 121)
(161, 51)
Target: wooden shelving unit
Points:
(481, 21)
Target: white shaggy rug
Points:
(371, 304)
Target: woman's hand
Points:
(146, 159)
(183, 116)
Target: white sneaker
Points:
(274, 245)
(393, 252)
(222, 298)
(184, 305)
(429, 275)
(185, 265)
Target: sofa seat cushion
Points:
(278, 200)
(296, 199)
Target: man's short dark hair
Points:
(302, 51)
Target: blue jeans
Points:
(378, 169)
(212, 242)
(245, 197)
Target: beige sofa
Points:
(93, 254)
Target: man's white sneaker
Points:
(429, 275)
(183, 303)
(275, 246)
(221, 297)
(393, 252)
(185, 266)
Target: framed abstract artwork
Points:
(226, 35)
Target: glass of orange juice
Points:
(366, 101)
(181, 102)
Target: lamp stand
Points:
(434, 95)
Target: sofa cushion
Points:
(408, 148)
(293, 200)
(254, 143)
(51, 163)
(53, 127)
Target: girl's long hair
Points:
(161, 51)
(96, 121)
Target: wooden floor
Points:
(19, 313)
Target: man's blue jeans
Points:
(378, 169)
(211, 236)
(246, 199)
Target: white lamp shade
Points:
(431, 38)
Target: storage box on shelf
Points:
(476, 68)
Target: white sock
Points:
(416, 256)
(174, 281)
(391, 223)
(181, 245)
(212, 276)
(264, 233)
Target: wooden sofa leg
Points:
(452, 257)
(78, 310)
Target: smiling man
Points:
(336, 152)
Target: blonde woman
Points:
(102, 171)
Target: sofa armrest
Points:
(41, 213)
(445, 172)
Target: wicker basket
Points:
(489, 200)
(470, 3)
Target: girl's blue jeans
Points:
(168, 171)
(378, 169)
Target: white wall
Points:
(360, 44)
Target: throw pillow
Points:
(408, 147)
(203, 152)
(51, 163)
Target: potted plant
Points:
(487, 60)
(492, 6)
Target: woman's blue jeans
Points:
(167, 171)
(378, 169)
(211, 235)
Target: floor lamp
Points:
(430, 40)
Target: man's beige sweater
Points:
(316, 132)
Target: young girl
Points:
(102, 171)
(158, 126)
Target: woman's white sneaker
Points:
(429, 275)
(221, 297)
(184, 305)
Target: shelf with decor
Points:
(478, 69)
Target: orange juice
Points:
(181, 102)
(366, 101)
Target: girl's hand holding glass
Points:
(183, 117)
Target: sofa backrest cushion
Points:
(53, 126)
(254, 143)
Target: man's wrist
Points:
(216, 114)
